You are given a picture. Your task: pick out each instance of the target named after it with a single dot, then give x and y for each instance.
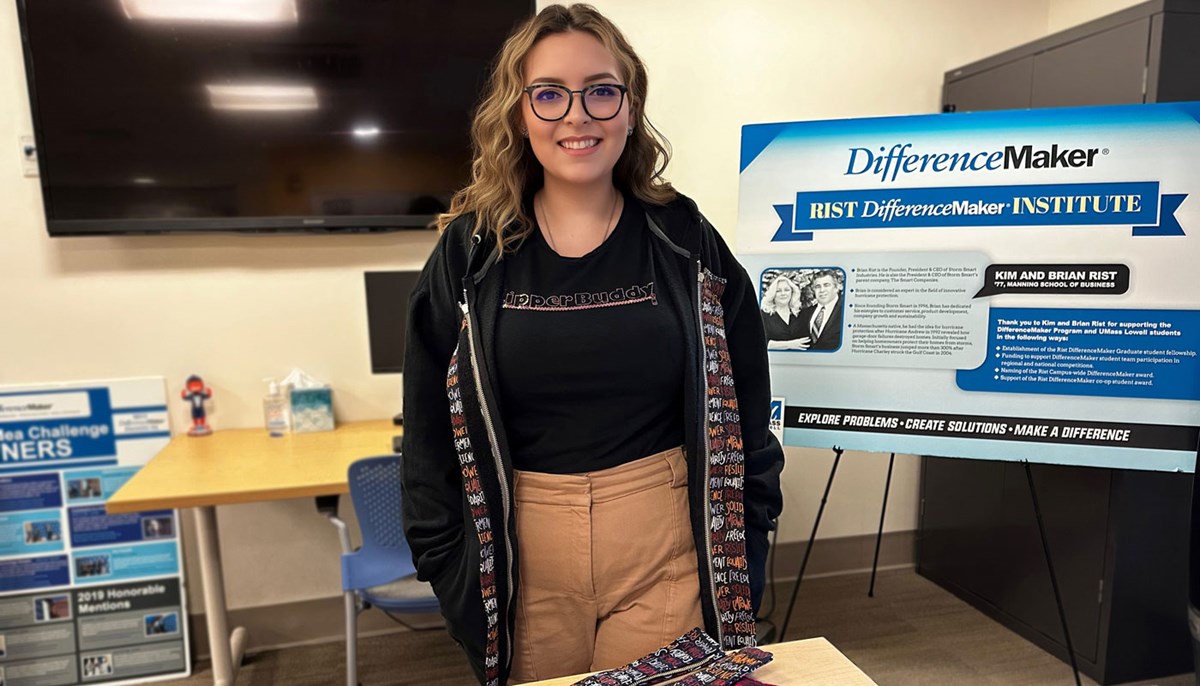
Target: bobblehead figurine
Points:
(195, 392)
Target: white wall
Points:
(238, 308)
(1065, 14)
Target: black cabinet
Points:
(1120, 545)
(1147, 53)
(996, 88)
(1120, 538)
(1105, 68)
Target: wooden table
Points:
(244, 466)
(811, 662)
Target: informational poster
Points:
(86, 597)
(1010, 285)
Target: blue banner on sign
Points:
(1116, 353)
(33, 492)
(35, 572)
(95, 485)
(105, 565)
(83, 431)
(92, 525)
(1086, 204)
(31, 533)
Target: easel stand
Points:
(887, 487)
(837, 452)
(1062, 616)
(837, 457)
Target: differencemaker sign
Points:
(1000, 285)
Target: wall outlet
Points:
(29, 159)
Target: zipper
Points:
(704, 452)
(500, 474)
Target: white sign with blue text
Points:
(997, 285)
(85, 596)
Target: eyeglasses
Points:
(601, 101)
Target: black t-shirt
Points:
(589, 357)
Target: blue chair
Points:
(381, 572)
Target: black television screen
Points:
(201, 115)
(387, 316)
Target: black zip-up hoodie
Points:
(457, 471)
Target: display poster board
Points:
(1015, 285)
(86, 597)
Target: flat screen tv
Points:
(387, 316)
(158, 116)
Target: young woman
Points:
(588, 471)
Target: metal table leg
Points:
(226, 648)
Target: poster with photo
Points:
(996, 285)
(86, 597)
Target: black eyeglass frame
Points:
(528, 90)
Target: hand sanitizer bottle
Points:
(275, 410)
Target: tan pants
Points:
(608, 567)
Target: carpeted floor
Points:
(912, 633)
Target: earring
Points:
(524, 132)
(629, 132)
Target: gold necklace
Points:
(608, 231)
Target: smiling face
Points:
(577, 149)
(825, 289)
(783, 293)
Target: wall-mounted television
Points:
(158, 116)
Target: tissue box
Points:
(312, 409)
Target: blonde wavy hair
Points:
(504, 170)
(768, 299)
